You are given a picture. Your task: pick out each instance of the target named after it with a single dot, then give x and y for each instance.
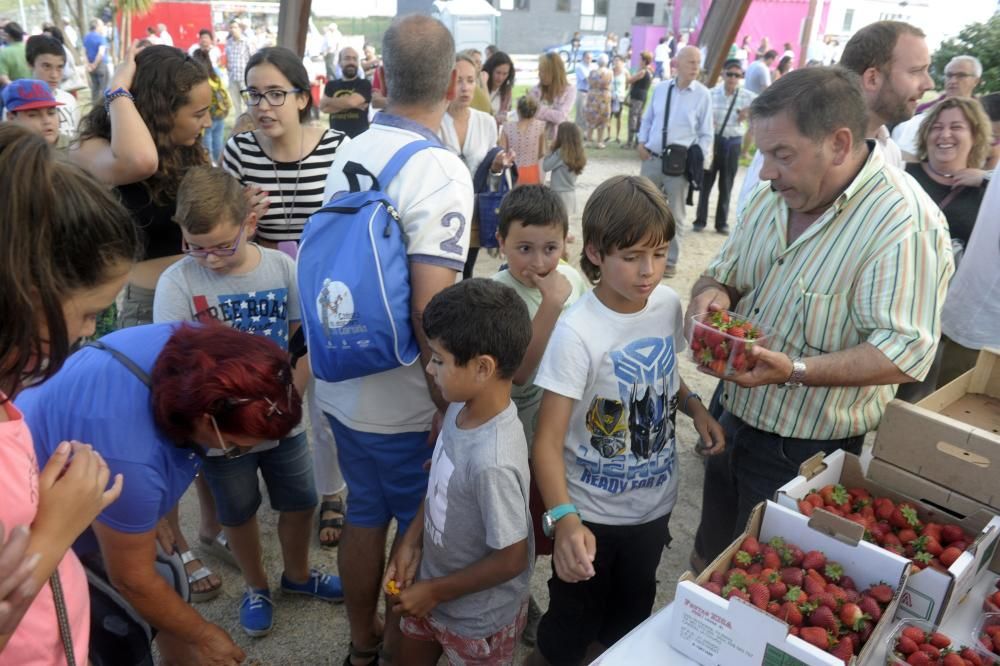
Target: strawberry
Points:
(816, 636)
(742, 559)
(771, 559)
(740, 363)
(859, 494)
(904, 516)
(952, 659)
(815, 499)
(884, 508)
(751, 546)
(823, 617)
(844, 649)
(929, 544)
(813, 586)
(951, 533)
(718, 366)
(737, 331)
(870, 607)
(916, 634)
(833, 572)
(791, 614)
(736, 592)
(907, 535)
(774, 608)
(795, 595)
(930, 649)
(835, 495)
(814, 560)
(754, 569)
(805, 508)
(792, 576)
(824, 599)
(919, 658)
(939, 640)
(714, 588)
(847, 583)
(852, 616)
(881, 592)
(721, 350)
(794, 556)
(759, 595)
(736, 577)
(949, 555)
(777, 589)
(717, 577)
(906, 645)
(971, 655)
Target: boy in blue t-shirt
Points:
(605, 453)
(460, 573)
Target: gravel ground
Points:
(311, 632)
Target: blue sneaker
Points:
(320, 585)
(256, 612)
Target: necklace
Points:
(277, 181)
(938, 173)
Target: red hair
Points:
(244, 381)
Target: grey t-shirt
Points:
(477, 502)
(264, 301)
(758, 77)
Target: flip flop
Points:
(198, 575)
(335, 505)
(219, 548)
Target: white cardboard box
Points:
(930, 594)
(715, 631)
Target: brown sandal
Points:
(336, 505)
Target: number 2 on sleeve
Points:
(453, 245)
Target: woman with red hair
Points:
(153, 400)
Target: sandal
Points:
(371, 654)
(336, 505)
(198, 575)
(219, 548)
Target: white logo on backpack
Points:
(334, 305)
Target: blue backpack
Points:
(354, 279)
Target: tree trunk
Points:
(55, 12)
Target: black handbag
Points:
(673, 160)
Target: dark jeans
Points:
(754, 465)
(726, 173)
(98, 81)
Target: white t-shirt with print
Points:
(622, 372)
(433, 193)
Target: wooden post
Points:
(807, 30)
(722, 23)
(293, 24)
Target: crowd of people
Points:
(539, 417)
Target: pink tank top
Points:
(524, 143)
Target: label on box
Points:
(917, 604)
(774, 656)
(707, 632)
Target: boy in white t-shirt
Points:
(47, 59)
(460, 573)
(604, 454)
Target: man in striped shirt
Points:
(845, 263)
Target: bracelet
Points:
(690, 395)
(112, 95)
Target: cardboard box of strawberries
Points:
(948, 542)
(791, 588)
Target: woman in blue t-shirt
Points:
(151, 402)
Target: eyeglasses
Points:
(227, 250)
(958, 75)
(228, 452)
(734, 75)
(274, 97)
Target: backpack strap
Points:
(124, 360)
(400, 159)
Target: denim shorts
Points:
(287, 471)
(385, 474)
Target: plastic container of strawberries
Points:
(894, 657)
(720, 341)
(988, 620)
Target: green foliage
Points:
(981, 40)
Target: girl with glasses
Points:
(285, 157)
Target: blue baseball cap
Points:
(27, 94)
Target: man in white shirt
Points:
(582, 71)
(163, 36)
(759, 73)
(661, 56)
(206, 42)
(382, 421)
(690, 124)
(892, 60)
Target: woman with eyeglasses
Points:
(289, 161)
(153, 401)
(285, 156)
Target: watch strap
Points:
(561, 511)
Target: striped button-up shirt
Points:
(238, 53)
(873, 268)
(720, 106)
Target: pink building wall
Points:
(779, 20)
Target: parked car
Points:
(594, 44)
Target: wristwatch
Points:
(554, 515)
(794, 381)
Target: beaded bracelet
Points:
(111, 95)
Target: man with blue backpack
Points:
(395, 232)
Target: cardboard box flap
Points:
(813, 466)
(834, 526)
(948, 504)
(986, 375)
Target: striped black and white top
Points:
(246, 160)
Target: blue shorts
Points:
(287, 471)
(385, 475)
